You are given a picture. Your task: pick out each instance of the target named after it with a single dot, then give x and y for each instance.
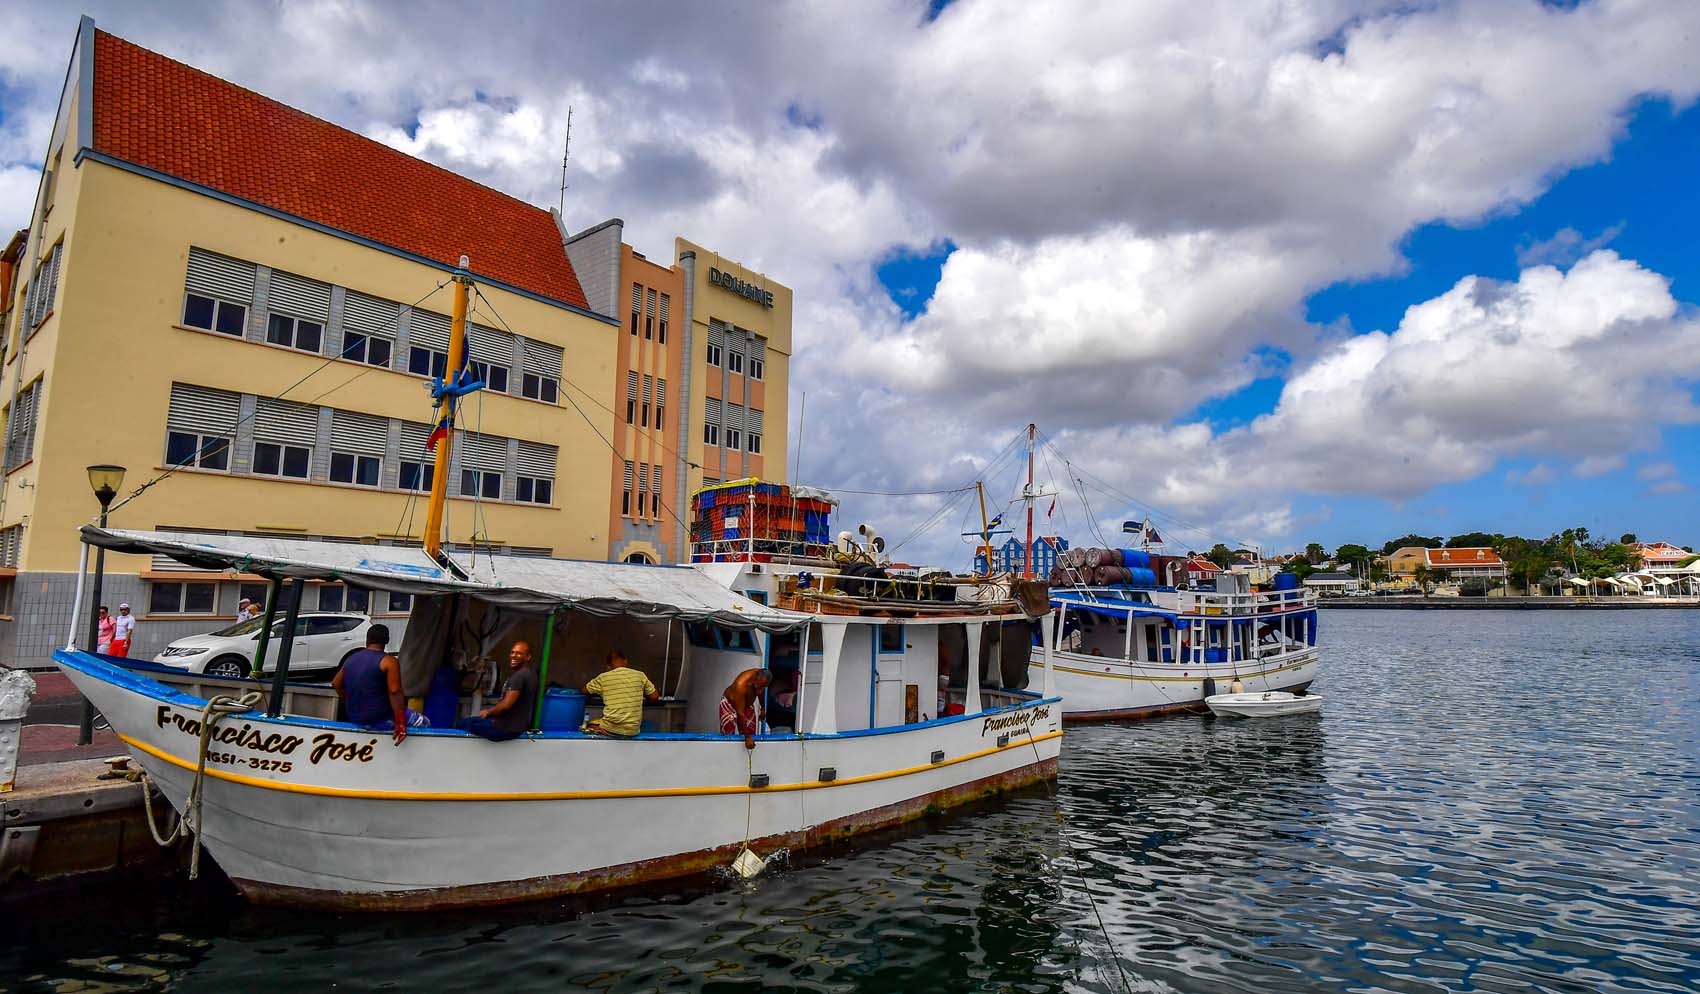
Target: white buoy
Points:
(1236, 687)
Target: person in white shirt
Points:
(245, 610)
(123, 626)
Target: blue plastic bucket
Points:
(563, 710)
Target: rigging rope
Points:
(189, 820)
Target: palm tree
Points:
(1421, 574)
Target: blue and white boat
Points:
(1138, 649)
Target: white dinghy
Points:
(1264, 704)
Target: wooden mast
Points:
(448, 391)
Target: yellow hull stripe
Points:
(1181, 679)
(564, 795)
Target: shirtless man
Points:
(739, 708)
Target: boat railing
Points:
(760, 550)
(1210, 602)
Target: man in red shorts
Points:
(740, 706)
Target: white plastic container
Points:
(17, 688)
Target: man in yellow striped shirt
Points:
(623, 690)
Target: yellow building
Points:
(702, 375)
(244, 305)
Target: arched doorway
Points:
(640, 557)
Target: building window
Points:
(532, 490)
(891, 638)
(713, 354)
(734, 362)
(272, 459)
(660, 410)
(294, 333)
(754, 442)
(204, 451)
(758, 367)
(210, 314)
(710, 434)
(417, 475)
(254, 593)
(635, 317)
(365, 348)
(661, 316)
(626, 499)
(644, 420)
(336, 597)
(360, 470)
(649, 328)
(20, 427)
(733, 439)
(494, 377)
(544, 388)
(183, 598)
(400, 603)
(427, 362)
(480, 483)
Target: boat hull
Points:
(1272, 705)
(310, 812)
(1095, 688)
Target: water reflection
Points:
(1488, 802)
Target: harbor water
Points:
(1490, 801)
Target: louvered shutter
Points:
(648, 388)
(665, 311)
(359, 434)
(542, 359)
(752, 420)
(628, 476)
(370, 315)
(661, 392)
(429, 330)
(298, 296)
(537, 460)
(711, 411)
(485, 452)
(717, 334)
(413, 439)
(11, 540)
(285, 423)
(649, 304)
(489, 345)
(643, 477)
(631, 384)
(220, 276)
(203, 411)
(637, 297)
(735, 416)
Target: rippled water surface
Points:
(1489, 802)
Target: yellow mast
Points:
(985, 527)
(446, 414)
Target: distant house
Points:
(1337, 583)
(1402, 563)
(1009, 557)
(1461, 564)
(1653, 554)
(1201, 570)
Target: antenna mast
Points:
(566, 153)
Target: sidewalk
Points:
(50, 727)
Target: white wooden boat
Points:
(1130, 653)
(1266, 704)
(308, 811)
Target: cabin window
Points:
(254, 593)
(737, 641)
(701, 635)
(183, 598)
(891, 638)
(336, 597)
(400, 603)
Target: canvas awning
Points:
(1577, 580)
(650, 593)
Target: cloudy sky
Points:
(1282, 270)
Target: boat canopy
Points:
(649, 593)
(1111, 607)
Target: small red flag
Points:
(441, 433)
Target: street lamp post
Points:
(105, 480)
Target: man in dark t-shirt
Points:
(510, 717)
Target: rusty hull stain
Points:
(643, 871)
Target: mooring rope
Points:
(1079, 866)
(189, 819)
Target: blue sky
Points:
(1641, 203)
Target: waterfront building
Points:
(1402, 563)
(1011, 556)
(701, 378)
(1457, 565)
(1332, 584)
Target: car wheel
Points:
(227, 666)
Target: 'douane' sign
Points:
(729, 282)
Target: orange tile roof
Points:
(160, 114)
(1659, 551)
(1464, 557)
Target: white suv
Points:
(322, 642)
